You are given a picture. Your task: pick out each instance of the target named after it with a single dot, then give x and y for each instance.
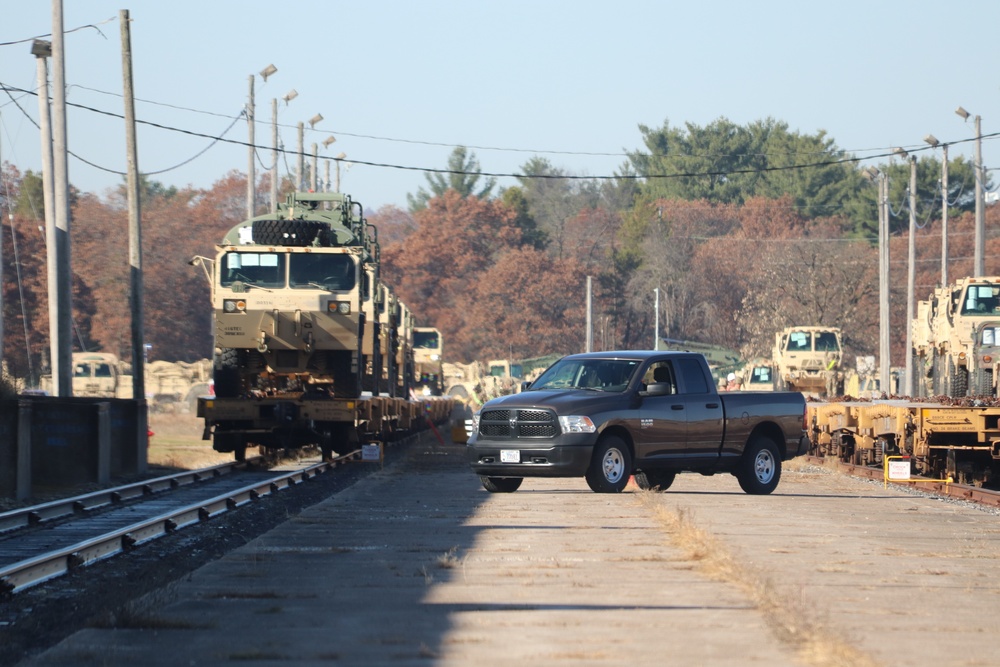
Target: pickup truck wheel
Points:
(501, 484)
(610, 466)
(760, 469)
(655, 480)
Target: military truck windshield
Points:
(803, 341)
(425, 339)
(981, 299)
(256, 269)
(597, 374)
(826, 342)
(321, 271)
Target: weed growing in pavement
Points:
(792, 620)
(448, 560)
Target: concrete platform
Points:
(419, 565)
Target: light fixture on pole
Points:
(315, 119)
(900, 152)
(979, 266)
(329, 140)
(289, 96)
(268, 71)
(932, 140)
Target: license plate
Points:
(510, 456)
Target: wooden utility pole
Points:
(134, 245)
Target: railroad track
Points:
(45, 541)
(975, 494)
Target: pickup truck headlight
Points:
(576, 424)
(475, 423)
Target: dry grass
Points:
(177, 443)
(794, 623)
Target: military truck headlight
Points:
(234, 305)
(576, 424)
(342, 308)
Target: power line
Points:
(459, 172)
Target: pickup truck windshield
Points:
(612, 375)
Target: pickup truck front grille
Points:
(518, 424)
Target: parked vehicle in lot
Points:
(608, 415)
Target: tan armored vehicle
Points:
(956, 339)
(808, 359)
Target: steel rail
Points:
(57, 509)
(973, 494)
(35, 570)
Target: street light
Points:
(979, 266)
(900, 152)
(315, 119)
(251, 125)
(932, 140)
(329, 140)
(288, 97)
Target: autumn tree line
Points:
(743, 230)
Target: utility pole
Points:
(315, 168)
(979, 266)
(42, 50)
(300, 169)
(61, 328)
(251, 176)
(980, 204)
(883, 282)
(656, 319)
(590, 320)
(134, 245)
(944, 215)
(911, 277)
(134, 219)
(274, 154)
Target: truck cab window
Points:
(321, 271)
(253, 269)
(693, 375)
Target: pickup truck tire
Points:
(655, 480)
(610, 465)
(760, 468)
(501, 484)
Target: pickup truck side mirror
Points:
(525, 385)
(658, 389)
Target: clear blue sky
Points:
(401, 83)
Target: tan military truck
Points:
(956, 339)
(808, 359)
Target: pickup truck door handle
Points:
(677, 406)
(712, 405)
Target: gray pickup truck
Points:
(607, 416)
